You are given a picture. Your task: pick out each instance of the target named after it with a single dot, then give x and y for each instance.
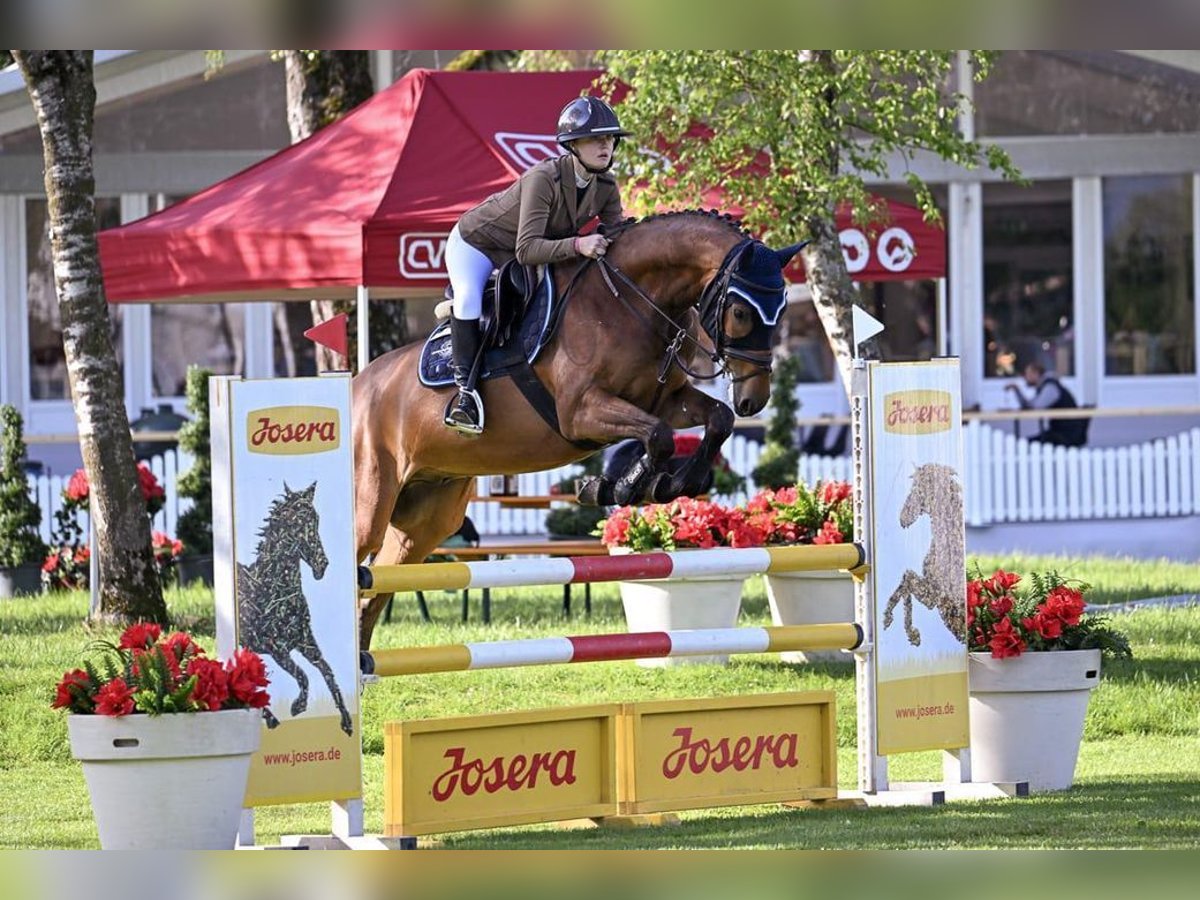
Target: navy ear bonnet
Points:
(758, 279)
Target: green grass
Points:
(1138, 779)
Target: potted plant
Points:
(779, 463)
(799, 514)
(195, 524)
(21, 547)
(711, 601)
(165, 736)
(1034, 660)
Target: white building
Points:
(1090, 269)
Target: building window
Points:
(47, 358)
(908, 311)
(212, 335)
(1028, 293)
(1149, 308)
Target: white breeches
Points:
(469, 271)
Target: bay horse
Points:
(941, 586)
(616, 367)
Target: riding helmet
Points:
(588, 117)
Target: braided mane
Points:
(714, 214)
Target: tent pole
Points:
(364, 329)
(943, 339)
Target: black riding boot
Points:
(464, 412)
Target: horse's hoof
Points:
(272, 722)
(662, 488)
(347, 724)
(299, 705)
(595, 491)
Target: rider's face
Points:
(595, 152)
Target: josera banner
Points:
(284, 575)
(917, 514)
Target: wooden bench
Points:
(516, 548)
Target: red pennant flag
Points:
(331, 333)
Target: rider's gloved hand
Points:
(591, 245)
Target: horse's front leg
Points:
(692, 406)
(605, 418)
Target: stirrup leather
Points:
(460, 418)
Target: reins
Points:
(716, 290)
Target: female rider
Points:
(536, 220)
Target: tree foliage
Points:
(20, 516)
(790, 134)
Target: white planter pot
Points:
(811, 598)
(709, 601)
(175, 781)
(1027, 715)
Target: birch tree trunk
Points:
(61, 87)
(322, 86)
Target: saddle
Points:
(506, 298)
(520, 311)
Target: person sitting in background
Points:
(1050, 393)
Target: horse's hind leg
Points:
(284, 660)
(426, 514)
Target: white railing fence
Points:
(1010, 479)
(1007, 479)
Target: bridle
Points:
(712, 304)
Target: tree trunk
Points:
(322, 86)
(64, 96)
(833, 293)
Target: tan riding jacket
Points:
(536, 218)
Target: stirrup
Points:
(460, 419)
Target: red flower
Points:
(1047, 627)
(51, 563)
(140, 635)
(835, 492)
(77, 488)
(1001, 606)
(1005, 641)
(212, 683)
(247, 677)
(63, 695)
(828, 534)
(1065, 604)
(114, 699)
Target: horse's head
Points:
(305, 531)
(933, 485)
(740, 309)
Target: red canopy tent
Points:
(368, 201)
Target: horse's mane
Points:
(277, 517)
(712, 214)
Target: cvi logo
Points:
(423, 255)
(894, 249)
